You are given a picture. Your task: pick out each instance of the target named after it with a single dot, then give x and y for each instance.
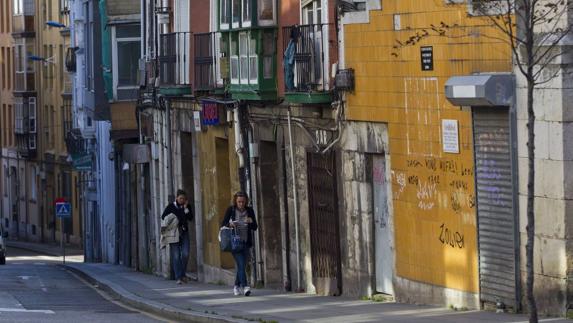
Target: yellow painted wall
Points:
(219, 180)
(433, 192)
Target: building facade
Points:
(34, 153)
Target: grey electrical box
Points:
(344, 80)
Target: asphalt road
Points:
(33, 288)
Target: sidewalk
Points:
(199, 302)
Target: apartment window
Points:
(20, 58)
(5, 126)
(46, 124)
(32, 125)
(248, 61)
(19, 117)
(49, 10)
(10, 68)
(48, 69)
(88, 39)
(6, 183)
(312, 13)
(268, 54)
(33, 188)
(244, 57)
(18, 7)
(52, 129)
(225, 17)
(32, 142)
(246, 13)
(4, 15)
(45, 12)
(253, 61)
(234, 61)
(4, 65)
(64, 6)
(126, 54)
(266, 12)
(236, 13)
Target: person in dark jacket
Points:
(241, 217)
(179, 251)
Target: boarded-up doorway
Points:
(324, 224)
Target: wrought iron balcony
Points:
(75, 142)
(206, 66)
(307, 77)
(174, 64)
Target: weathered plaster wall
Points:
(553, 254)
(357, 231)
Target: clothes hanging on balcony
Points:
(288, 64)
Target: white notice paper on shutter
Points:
(450, 136)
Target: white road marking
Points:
(23, 310)
(543, 320)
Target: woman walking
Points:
(241, 217)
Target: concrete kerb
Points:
(156, 308)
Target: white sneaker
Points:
(236, 291)
(247, 291)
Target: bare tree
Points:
(535, 31)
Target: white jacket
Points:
(169, 230)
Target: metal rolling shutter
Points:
(495, 206)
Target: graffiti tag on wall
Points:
(451, 238)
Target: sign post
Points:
(63, 211)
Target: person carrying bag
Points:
(237, 227)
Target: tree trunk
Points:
(530, 199)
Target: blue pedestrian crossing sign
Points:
(63, 210)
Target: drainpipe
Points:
(238, 138)
(169, 150)
(198, 205)
(295, 198)
(254, 154)
(140, 200)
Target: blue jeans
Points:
(180, 255)
(241, 258)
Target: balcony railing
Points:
(205, 59)
(25, 82)
(173, 59)
(315, 50)
(75, 143)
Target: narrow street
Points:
(33, 288)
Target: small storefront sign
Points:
(427, 57)
(210, 113)
(82, 162)
(450, 136)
